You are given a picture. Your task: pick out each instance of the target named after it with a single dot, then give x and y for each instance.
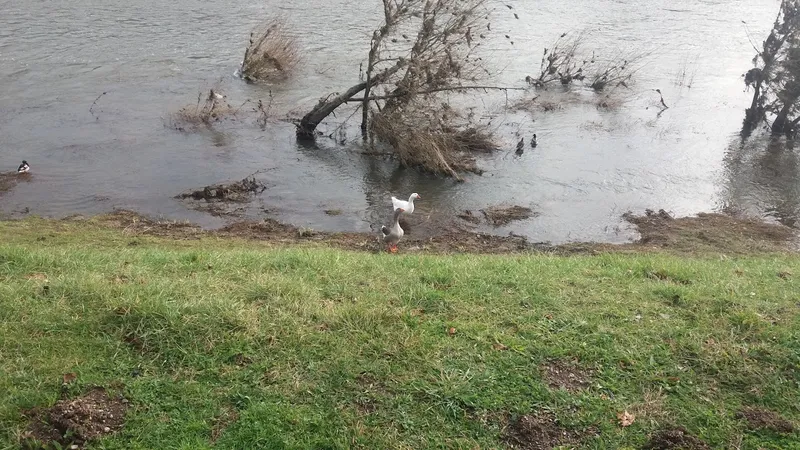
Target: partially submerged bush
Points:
(272, 53)
(566, 62)
(210, 108)
(615, 72)
(434, 146)
(561, 62)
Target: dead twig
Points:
(94, 103)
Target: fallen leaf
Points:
(499, 346)
(626, 419)
(68, 378)
(451, 331)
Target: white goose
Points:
(408, 206)
(392, 235)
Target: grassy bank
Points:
(230, 343)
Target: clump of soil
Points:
(710, 232)
(240, 191)
(760, 418)
(674, 439)
(469, 216)
(498, 215)
(565, 375)
(540, 432)
(504, 214)
(77, 421)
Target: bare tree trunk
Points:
(309, 122)
(376, 38)
(782, 125)
(751, 114)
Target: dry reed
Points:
(272, 53)
(208, 109)
(445, 150)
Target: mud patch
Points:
(240, 191)
(498, 215)
(136, 224)
(370, 389)
(674, 439)
(711, 232)
(565, 375)
(450, 239)
(77, 421)
(441, 236)
(541, 432)
(763, 419)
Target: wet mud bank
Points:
(659, 231)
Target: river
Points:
(591, 164)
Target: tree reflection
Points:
(761, 178)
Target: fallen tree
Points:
(424, 50)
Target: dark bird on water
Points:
(516, 16)
(520, 146)
(533, 141)
(24, 167)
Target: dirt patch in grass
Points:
(763, 419)
(541, 432)
(565, 375)
(136, 224)
(223, 421)
(716, 232)
(77, 421)
(674, 439)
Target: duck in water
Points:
(24, 167)
(533, 141)
(520, 146)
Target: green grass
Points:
(312, 347)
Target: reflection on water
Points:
(590, 166)
(762, 177)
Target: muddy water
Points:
(591, 165)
